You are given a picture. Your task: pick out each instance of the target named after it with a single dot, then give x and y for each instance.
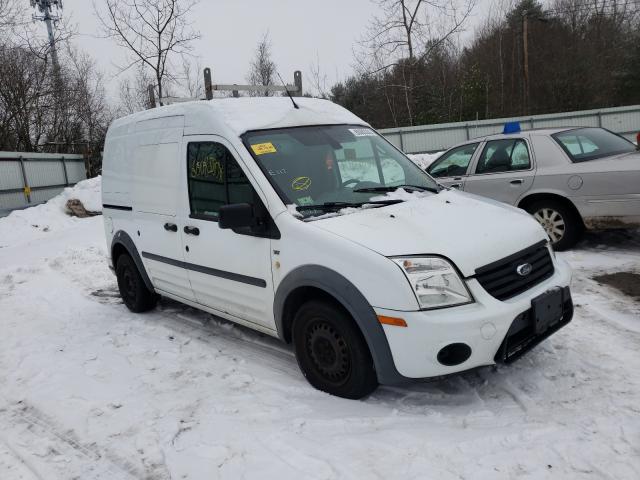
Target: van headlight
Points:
(435, 282)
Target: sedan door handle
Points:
(455, 185)
(517, 181)
(192, 230)
(170, 227)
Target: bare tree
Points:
(191, 78)
(152, 31)
(134, 92)
(9, 15)
(37, 112)
(319, 78)
(262, 70)
(406, 33)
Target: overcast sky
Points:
(300, 31)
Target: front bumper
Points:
(483, 325)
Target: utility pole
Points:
(525, 46)
(47, 15)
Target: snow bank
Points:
(423, 160)
(22, 226)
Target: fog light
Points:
(454, 354)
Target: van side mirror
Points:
(236, 215)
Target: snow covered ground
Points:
(91, 391)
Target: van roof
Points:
(241, 115)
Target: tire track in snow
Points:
(15, 465)
(31, 428)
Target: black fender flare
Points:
(122, 238)
(344, 292)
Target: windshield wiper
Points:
(394, 188)
(339, 205)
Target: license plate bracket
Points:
(547, 309)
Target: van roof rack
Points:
(294, 90)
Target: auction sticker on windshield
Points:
(362, 132)
(262, 148)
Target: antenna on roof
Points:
(286, 89)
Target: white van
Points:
(306, 224)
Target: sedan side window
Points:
(504, 156)
(454, 162)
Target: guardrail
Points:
(434, 138)
(27, 179)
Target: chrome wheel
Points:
(552, 222)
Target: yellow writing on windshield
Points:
(262, 148)
(208, 167)
(301, 183)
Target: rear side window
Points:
(583, 144)
(454, 162)
(215, 179)
(505, 155)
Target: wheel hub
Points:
(552, 222)
(129, 286)
(328, 351)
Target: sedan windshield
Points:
(328, 167)
(583, 144)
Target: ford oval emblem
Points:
(524, 269)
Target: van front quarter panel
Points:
(308, 282)
(309, 260)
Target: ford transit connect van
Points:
(304, 223)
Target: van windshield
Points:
(335, 165)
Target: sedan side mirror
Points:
(236, 215)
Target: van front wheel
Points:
(331, 351)
(135, 294)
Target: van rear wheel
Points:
(135, 294)
(331, 351)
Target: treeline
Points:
(531, 59)
(44, 108)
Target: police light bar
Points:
(511, 127)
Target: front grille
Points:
(502, 280)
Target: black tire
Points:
(562, 224)
(332, 352)
(135, 294)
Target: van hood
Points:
(469, 230)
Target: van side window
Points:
(215, 179)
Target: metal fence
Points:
(434, 138)
(27, 179)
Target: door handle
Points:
(455, 185)
(517, 181)
(192, 230)
(170, 227)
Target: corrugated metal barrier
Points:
(27, 179)
(434, 138)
